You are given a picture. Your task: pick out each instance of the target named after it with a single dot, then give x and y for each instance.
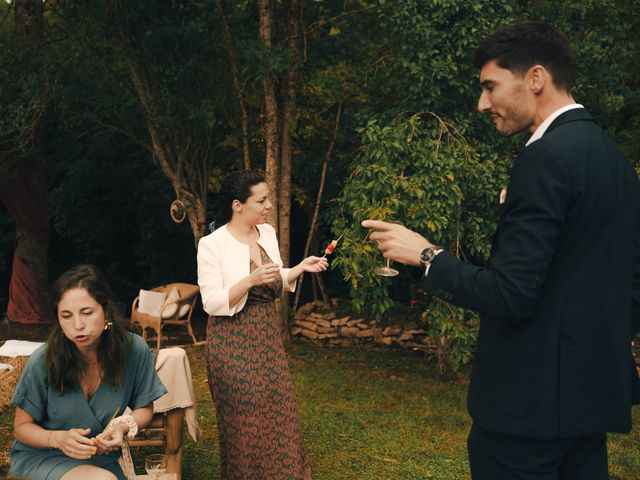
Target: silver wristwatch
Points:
(426, 256)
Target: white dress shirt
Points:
(542, 128)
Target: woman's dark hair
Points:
(65, 363)
(520, 46)
(237, 186)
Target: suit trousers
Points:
(499, 456)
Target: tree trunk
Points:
(24, 191)
(242, 105)
(165, 151)
(316, 208)
(323, 289)
(270, 114)
(445, 370)
(272, 145)
(288, 119)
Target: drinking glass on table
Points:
(156, 465)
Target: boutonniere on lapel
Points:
(503, 196)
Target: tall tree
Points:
(237, 85)
(176, 132)
(279, 117)
(22, 178)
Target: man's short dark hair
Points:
(519, 46)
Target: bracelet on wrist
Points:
(126, 420)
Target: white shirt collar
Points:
(542, 128)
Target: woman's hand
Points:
(314, 264)
(74, 443)
(265, 273)
(110, 439)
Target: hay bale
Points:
(9, 379)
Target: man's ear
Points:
(537, 76)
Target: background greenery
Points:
(409, 147)
(384, 60)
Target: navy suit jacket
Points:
(560, 298)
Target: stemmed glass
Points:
(155, 465)
(386, 270)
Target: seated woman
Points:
(90, 369)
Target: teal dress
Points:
(53, 411)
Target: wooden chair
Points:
(165, 430)
(188, 296)
(167, 424)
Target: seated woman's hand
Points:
(110, 439)
(74, 443)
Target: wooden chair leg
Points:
(193, 337)
(173, 449)
(159, 332)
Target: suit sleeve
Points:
(635, 308)
(534, 215)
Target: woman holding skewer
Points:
(73, 387)
(240, 273)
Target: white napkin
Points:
(17, 348)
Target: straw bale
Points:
(9, 378)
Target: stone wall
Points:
(329, 328)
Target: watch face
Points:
(426, 255)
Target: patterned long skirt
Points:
(258, 426)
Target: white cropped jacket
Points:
(223, 261)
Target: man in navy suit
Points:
(559, 300)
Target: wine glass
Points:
(155, 465)
(386, 270)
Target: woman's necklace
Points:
(90, 385)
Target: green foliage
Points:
(417, 170)
(23, 89)
(605, 35)
(422, 63)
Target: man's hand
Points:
(397, 242)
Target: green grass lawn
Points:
(368, 415)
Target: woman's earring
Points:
(108, 324)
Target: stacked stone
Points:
(327, 328)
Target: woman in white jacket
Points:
(240, 273)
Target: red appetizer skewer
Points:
(331, 247)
